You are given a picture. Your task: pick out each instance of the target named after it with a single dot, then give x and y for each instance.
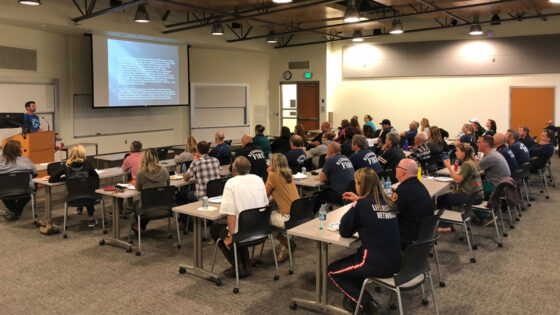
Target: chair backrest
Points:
(187, 165)
(14, 184)
(81, 188)
(322, 159)
(228, 142)
(162, 153)
(526, 167)
(414, 261)
(428, 228)
(215, 188)
(52, 168)
(301, 211)
(253, 226)
(159, 198)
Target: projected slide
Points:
(142, 74)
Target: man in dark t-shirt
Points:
(338, 170)
(519, 150)
(296, 156)
(499, 144)
(526, 138)
(363, 157)
(255, 155)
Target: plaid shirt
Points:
(421, 154)
(204, 169)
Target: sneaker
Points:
(92, 223)
(10, 216)
(79, 210)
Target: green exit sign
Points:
(307, 75)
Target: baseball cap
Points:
(475, 119)
(386, 122)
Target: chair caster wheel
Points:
(129, 250)
(138, 253)
(532, 199)
(64, 236)
(291, 272)
(102, 242)
(377, 289)
(393, 307)
(218, 282)
(505, 235)
(105, 232)
(276, 277)
(235, 290)
(528, 205)
(431, 255)
(475, 247)
(512, 227)
(293, 306)
(461, 238)
(131, 242)
(179, 246)
(182, 270)
(473, 260)
(169, 236)
(425, 302)
(442, 284)
(517, 219)
(500, 245)
(547, 197)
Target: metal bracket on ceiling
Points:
(165, 15)
(240, 34)
(87, 8)
(262, 6)
(284, 40)
(204, 20)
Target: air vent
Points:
(18, 58)
(298, 65)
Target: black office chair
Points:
(162, 153)
(253, 229)
(14, 186)
(322, 159)
(415, 269)
(215, 187)
(462, 217)
(301, 211)
(158, 202)
(53, 168)
(538, 168)
(80, 192)
(186, 164)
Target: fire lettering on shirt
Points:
(256, 154)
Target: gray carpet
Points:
(48, 274)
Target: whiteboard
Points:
(219, 106)
(90, 122)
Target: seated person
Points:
(373, 216)
(132, 161)
(338, 171)
(387, 128)
(222, 151)
(369, 134)
(526, 138)
(346, 146)
(413, 202)
(315, 153)
(491, 125)
(325, 127)
(261, 140)
(424, 125)
(478, 130)
(437, 146)
(499, 144)
(543, 151)
(519, 150)
(242, 192)
(254, 154)
(468, 180)
(203, 169)
(368, 120)
(150, 175)
(421, 153)
(410, 134)
(363, 157)
(187, 155)
(493, 164)
(392, 155)
(282, 144)
(467, 136)
(341, 130)
(13, 162)
(77, 167)
(298, 130)
(281, 185)
(296, 156)
(355, 125)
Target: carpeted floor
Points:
(48, 274)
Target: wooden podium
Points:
(37, 146)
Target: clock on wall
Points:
(287, 75)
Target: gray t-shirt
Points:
(23, 163)
(495, 167)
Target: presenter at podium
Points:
(31, 121)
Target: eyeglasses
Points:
(402, 168)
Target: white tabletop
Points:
(310, 181)
(310, 230)
(111, 157)
(103, 174)
(407, 153)
(434, 187)
(42, 166)
(192, 209)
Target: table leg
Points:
(321, 285)
(197, 267)
(116, 240)
(48, 205)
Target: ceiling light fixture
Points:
(217, 29)
(30, 2)
(396, 27)
(141, 15)
(476, 29)
(272, 38)
(495, 20)
(352, 15)
(357, 37)
(554, 1)
(282, 1)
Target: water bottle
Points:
(183, 168)
(322, 217)
(383, 182)
(406, 145)
(205, 202)
(388, 183)
(303, 170)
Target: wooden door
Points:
(531, 107)
(308, 105)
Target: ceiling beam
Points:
(238, 16)
(110, 10)
(513, 19)
(384, 18)
(449, 14)
(531, 4)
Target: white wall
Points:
(446, 101)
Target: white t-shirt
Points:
(243, 192)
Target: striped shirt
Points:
(204, 169)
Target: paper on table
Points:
(100, 171)
(209, 208)
(44, 164)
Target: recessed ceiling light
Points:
(281, 1)
(396, 27)
(141, 15)
(30, 2)
(272, 38)
(217, 29)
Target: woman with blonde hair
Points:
(373, 216)
(298, 130)
(77, 166)
(424, 125)
(150, 175)
(282, 187)
(187, 155)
